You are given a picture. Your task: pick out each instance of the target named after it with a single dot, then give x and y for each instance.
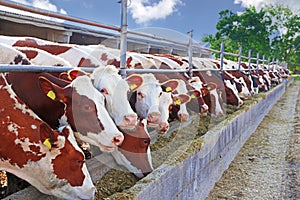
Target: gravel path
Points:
(268, 165)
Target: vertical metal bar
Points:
(249, 59)
(190, 53)
(268, 64)
(240, 57)
(222, 56)
(257, 61)
(263, 61)
(123, 44)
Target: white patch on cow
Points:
(10, 54)
(75, 56)
(63, 121)
(33, 126)
(13, 127)
(218, 108)
(196, 83)
(181, 89)
(45, 58)
(165, 100)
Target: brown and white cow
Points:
(59, 103)
(71, 53)
(49, 160)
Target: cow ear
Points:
(50, 89)
(64, 76)
(181, 99)
(48, 136)
(211, 86)
(170, 85)
(135, 81)
(194, 94)
(74, 73)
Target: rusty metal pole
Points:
(123, 37)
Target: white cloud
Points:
(294, 5)
(143, 11)
(40, 4)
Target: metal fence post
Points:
(123, 44)
(263, 61)
(239, 58)
(257, 61)
(249, 59)
(190, 53)
(222, 56)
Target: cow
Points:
(59, 103)
(49, 160)
(41, 57)
(134, 153)
(71, 53)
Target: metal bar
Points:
(249, 58)
(123, 44)
(257, 61)
(222, 56)
(64, 17)
(240, 57)
(190, 53)
(50, 69)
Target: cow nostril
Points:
(117, 140)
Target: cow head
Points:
(147, 100)
(134, 153)
(115, 89)
(84, 111)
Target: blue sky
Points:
(201, 16)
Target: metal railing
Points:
(123, 46)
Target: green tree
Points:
(272, 31)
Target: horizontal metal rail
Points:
(51, 69)
(59, 16)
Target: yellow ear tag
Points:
(51, 94)
(168, 89)
(133, 86)
(47, 143)
(193, 96)
(178, 102)
(208, 88)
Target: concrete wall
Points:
(195, 176)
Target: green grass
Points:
(296, 77)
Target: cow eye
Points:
(146, 142)
(80, 161)
(140, 94)
(87, 107)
